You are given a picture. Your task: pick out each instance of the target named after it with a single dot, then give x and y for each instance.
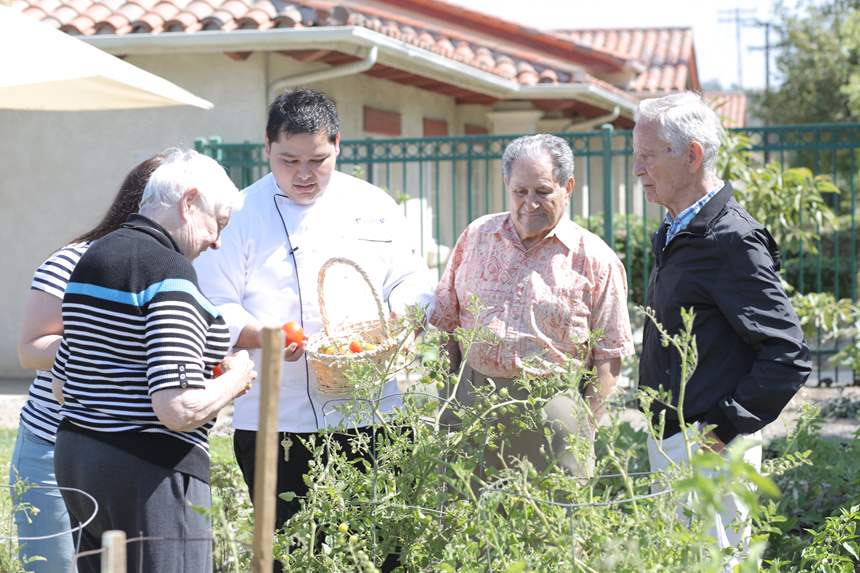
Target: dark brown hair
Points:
(302, 111)
(126, 202)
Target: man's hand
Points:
(294, 351)
(713, 443)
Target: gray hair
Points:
(183, 169)
(537, 147)
(681, 119)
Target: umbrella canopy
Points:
(44, 69)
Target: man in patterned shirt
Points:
(546, 284)
(712, 256)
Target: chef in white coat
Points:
(295, 218)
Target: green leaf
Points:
(287, 496)
(516, 567)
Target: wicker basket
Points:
(330, 369)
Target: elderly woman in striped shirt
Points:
(41, 331)
(140, 343)
(545, 284)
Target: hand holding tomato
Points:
(294, 341)
(240, 362)
(293, 333)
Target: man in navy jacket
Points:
(712, 256)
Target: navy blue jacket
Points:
(752, 354)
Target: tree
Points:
(819, 64)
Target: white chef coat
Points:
(253, 275)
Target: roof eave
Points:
(355, 40)
(590, 93)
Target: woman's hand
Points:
(242, 367)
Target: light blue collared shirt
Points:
(679, 223)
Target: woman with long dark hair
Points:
(40, 335)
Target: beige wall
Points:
(59, 171)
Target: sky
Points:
(715, 42)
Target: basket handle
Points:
(376, 298)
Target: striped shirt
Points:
(41, 412)
(679, 223)
(135, 323)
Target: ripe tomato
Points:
(217, 371)
(355, 347)
(293, 333)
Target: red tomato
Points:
(217, 371)
(293, 333)
(355, 347)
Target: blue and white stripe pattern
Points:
(41, 413)
(121, 345)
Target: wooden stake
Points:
(113, 558)
(266, 462)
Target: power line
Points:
(768, 46)
(739, 17)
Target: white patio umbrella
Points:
(44, 69)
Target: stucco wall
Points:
(59, 171)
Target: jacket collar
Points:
(702, 221)
(146, 225)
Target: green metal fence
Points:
(446, 182)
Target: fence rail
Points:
(446, 182)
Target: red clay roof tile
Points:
(507, 60)
(64, 14)
(255, 19)
(81, 25)
(666, 53)
(730, 106)
(98, 12)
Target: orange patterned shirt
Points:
(540, 303)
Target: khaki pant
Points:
(726, 528)
(572, 442)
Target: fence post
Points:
(266, 455)
(113, 558)
(368, 149)
(607, 182)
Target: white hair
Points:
(536, 147)
(184, 169)
(681, 119)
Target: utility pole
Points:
(768, 46)
(738, 17)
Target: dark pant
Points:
(137, 497)
(292, 466)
